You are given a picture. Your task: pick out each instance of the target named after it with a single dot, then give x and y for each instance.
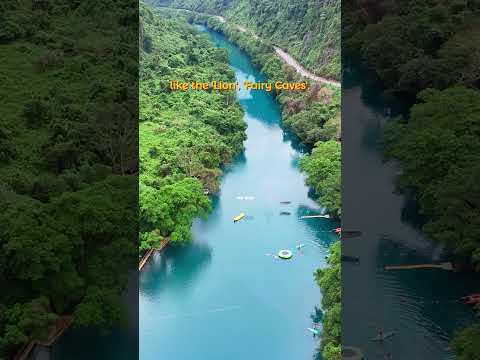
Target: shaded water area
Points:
(95, 344)
(422, 307)
(224, 296)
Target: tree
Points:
(172, 208)
(323, 173)
(437, 147)
(330, 283)
(24, 322)
(467, 343)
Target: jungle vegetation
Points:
(427, 53)
(323, 167)
(68, 163)
(329, 280)
(185, 136)
(309, 30)
(411, 45)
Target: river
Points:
(222, 297)
(422, 307)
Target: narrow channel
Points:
(224, 296)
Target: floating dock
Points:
(315, 216)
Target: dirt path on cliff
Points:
(288, 59)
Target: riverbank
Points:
(185, 137)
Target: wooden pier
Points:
(152, 251)
(60, 326)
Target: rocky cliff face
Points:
(308, 29)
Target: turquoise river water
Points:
(222, 297)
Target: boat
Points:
(384, 336)
(314, 331)
(238, 217)
(285, 202)
(284, 213)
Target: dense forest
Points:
(185, 136)
(323, 167)
(68, 146)
(412, 45)
(427, 54)
(307, 29)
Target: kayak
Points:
(384, 336)
(239, 217)
(314, 331)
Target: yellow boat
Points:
(239, 217)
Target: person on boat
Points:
(299, 248)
